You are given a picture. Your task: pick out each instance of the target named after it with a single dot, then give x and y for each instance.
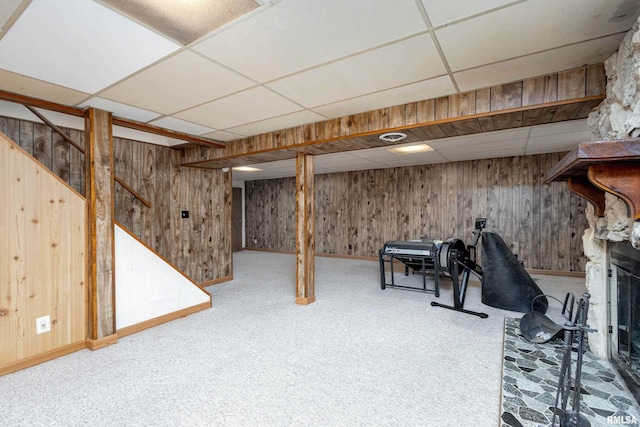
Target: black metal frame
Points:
(460, 286)
(627, 265)
(468, 261)
(424, 261)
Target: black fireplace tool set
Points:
(538, 328)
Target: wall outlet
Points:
(255, 240)
(43, 324)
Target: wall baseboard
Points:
(162, 319)
(360, 257)
(102, 342)
(43, 357)
(371, 258)
(275, 251)
(215, 281)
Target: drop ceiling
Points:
(254, 66)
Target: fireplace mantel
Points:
(593, 168)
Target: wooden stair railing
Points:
(71, 141)
(133, 192)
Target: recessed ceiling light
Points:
(246, 169)
(407, 149)
(393, 136)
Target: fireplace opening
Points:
(625, 313)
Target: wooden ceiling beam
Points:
(567, 95)
(462, 125)
(126, 123)
(40, 103)
(145, 127)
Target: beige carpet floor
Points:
(358, 356)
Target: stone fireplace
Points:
(603, 233)
(612, 241)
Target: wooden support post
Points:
(305, 230)
(100, 215)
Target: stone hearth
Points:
(530, 378)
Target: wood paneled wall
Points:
(200, 245)
(356, 212)
(205, 238)
(42, 224)
(270, 214)
(49, 148)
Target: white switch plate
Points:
(43, 324)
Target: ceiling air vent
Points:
(393, 136)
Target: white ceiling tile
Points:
(23, 85)
(375, 154)
(340, 56)
(288, 172)
(277, 123)
(294, 35)
(365, 166)
(528, 27)
(17, 111)
(502, 137)
(63, 120)
(339, 159)
(183, 20)
(321, 171)
(560, 138)
(426, 89)
(283, 168)
(120, 110)
(355, 165)
(570, 126)
(342, 168)
(338, 155)
(223, 136)
(551, 61)
(182, 126)
(244, 107)
(414, 159)
(278, 165)
(379, 69)
(551, 148)
(80, 45)
(7, 9)
(461, 155)
(242, 177)
(442, 12)
(152, 138)
(186, 79)
(516, 144)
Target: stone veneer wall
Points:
(618, 117)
